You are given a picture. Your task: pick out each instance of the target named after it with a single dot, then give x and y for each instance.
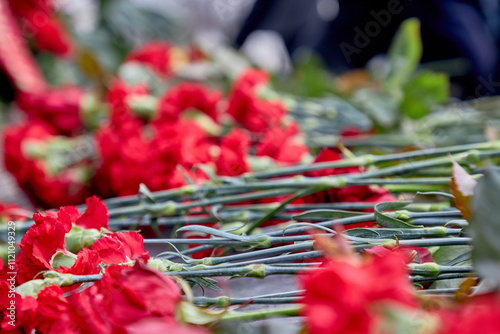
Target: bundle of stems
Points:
(244, 244)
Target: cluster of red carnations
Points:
(131, 297)
(155, 140)
(349, 293)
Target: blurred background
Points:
(460, 37)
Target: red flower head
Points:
(480, 314)
(38, 245)
(53, 311)
(125, 299)
(60, 107)
(48, 33)
(95, 215)
(87, 263)
(282, 144)
(188, 96)
(40, 21)
(16, 160)
(134, 293)
(116, 248)
(234, 149)
(25, 311)
(184, 143)
(27, 157)
(155, 55)
(248, 109)
(118, 98)
(343, 296)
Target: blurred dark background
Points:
(460, 37)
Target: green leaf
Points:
(404, 54)
(424, 92)
(310, 77)
(449, 255)
(485, 225)
(387, 221)
(206, 282)
(445, 254)
(144, 190)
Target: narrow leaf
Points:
(387, 221)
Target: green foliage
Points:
(404, 54)
(423, 92)
(310, 78)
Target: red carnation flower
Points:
(10, 211)
(87, 263)
(188, 96)
(125, 300)
(248, 109)
(38, 245)
(40, 20)
(26, 316)
(116, 248)
(68, 187)
(48, 32)
(16, 161)
(26, 148)
(155, 55)
(282, 145)
(234, 149)
(53, 311)
(95, 215)
(344, 297)
(118, 98)
(59, 107)
(480, 314)
(134, 293)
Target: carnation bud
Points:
(160, 264)
(261, 163)
(53, 277)
(78, 238)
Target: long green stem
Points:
(367, 160)
(290, 311)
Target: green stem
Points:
(367, 160)
(291, 311)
